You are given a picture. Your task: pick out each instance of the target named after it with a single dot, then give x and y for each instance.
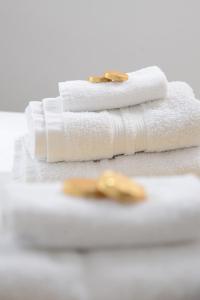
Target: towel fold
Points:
(146, 274)
(28, 275)
(27, 169)
(155, 126)
(43, 216)
(143, 85)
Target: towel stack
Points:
(143, 126)
(68, 248)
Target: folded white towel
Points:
(173, 162)
(42, 215)
(43, 276)
(143, 85)
(146, 274)
(142, 274)
(155, 126)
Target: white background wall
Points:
(46, 41)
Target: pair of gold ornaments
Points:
(110, 185)
(109, 76)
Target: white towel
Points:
(27, 169)
(28, 275)
(148, 274)
(42, 215)
(143, 85)
(142, 274)
(155, 126)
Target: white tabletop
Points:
(12, 125)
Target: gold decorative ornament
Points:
(81, 187)
(98, 79)
(120, 187)
(116, 76)
(110, 185)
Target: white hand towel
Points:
(155, 126)
(42, 215)
(173, 162)
(143, 85)
(142, 274)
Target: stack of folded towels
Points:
(60, 247)
(143, 126)
(66, 248)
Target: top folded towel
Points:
(142, 86)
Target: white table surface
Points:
(12, 125)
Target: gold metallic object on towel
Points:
(109, 76)
(81, 187)
(110, 185)
(98, 79)
(120, 188)
(116, 76)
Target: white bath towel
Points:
(43, 216)
(145, 274)
(155, 126)
(143, 85)
(27, 169)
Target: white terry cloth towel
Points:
(144, 85)
(155, 126)
(42, 276)
(145, 274)
(36, 124)
(27, 169)
(41, 215)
